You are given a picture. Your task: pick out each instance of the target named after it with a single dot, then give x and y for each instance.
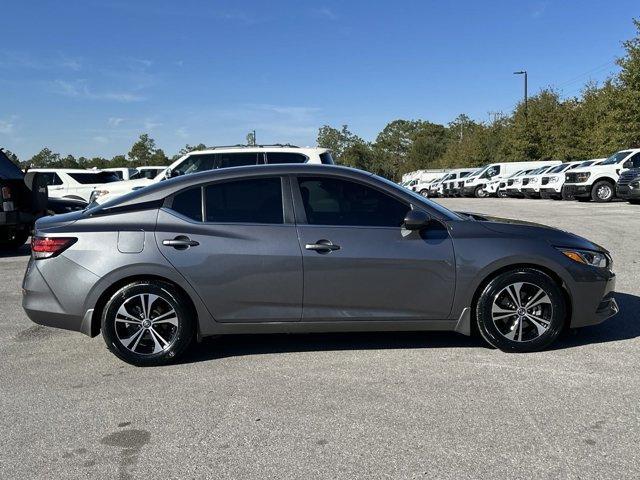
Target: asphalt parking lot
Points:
(406, 405)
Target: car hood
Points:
(552, 235)
(597, 168)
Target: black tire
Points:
(601, 186)
(480, 192)
(179, 336)
(634, 201)
(424, 192)
(494, 332)
(565, 196)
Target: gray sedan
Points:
(301, 248)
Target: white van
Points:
(531, 183)
(124, 173)
(487, 181)
(422, 183)
(219, 157)
(450, 182)
(598, 182)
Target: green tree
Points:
(44, 158)
(12, 156)
(251, 138)
(338, 141)
(143, 150)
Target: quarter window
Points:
(225, 160)
(330, 201)
(256, 200)
(189, 204)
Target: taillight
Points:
(5, 200)
(6, 193)
(47, 247)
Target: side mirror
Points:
(416, 220)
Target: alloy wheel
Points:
(522, 312)
(146, 324)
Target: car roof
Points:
(259, 148)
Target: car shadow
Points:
(242, 345)
(624, 326)
(22, 251)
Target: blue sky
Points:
(88, 76)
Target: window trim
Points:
(301, 214)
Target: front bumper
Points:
(469, 191)
(550, 192)
(575, 190)
(532, 192)
(627, 193)
(593, 299)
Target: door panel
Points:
(377, 273)
(243, 273)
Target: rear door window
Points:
(285, 157)
(51, 178)
(257, 200)
(239, 159)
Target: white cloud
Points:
(7, 126)
(80, 89)
(182, 132)
(114, 121)
(151, 123)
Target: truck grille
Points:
(571, 177)
(628, 176)
(545, 180)
(525, 181)
(509, 182)
(461, 184)
(501, 185)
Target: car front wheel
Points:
(147, 323)
(602, 192)
(521, 310)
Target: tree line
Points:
(603, 119)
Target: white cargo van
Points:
(552, 182)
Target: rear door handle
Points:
(181, 242)
(322, 246)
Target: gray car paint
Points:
(245, 278)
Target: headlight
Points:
(553, 179)
(634, 184)
(588, 257)
(534, 180)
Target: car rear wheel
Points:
(521, 310)
(424, 192)
(602, 192)
(147, 323)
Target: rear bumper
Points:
(49, 302)
(627, 193)
(579, 191)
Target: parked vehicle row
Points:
(599, 180)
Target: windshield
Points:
(466, 174)
(615, 158)
(560, 168)
(8, 169)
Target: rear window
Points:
(326, 158)
(91, 177)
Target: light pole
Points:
(524, 72)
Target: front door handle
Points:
(322, 246)
(181, 242)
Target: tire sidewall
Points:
(485, 322)
(168, 293)
(594, 192)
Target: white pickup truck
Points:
(598, 182)
(552, 182)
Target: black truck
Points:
(628, 186)
(24, 199)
